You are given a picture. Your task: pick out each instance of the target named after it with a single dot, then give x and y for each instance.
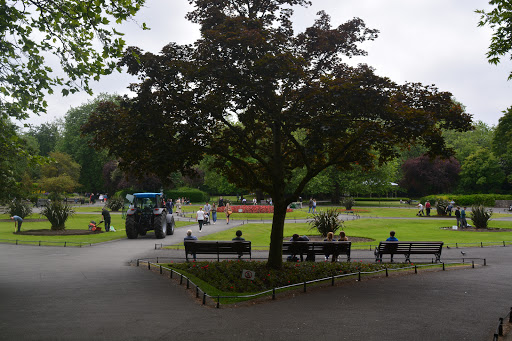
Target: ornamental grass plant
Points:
(57, 213)
(480, 216)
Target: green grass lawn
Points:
(75, 222)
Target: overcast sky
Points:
(427, 41)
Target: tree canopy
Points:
(499, 19)
(265, 102)
(34, 32)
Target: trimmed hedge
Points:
(470, 199)
(380, 199)
(195, 195)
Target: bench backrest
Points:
(217, 247)
(320, 247)
(410, 247)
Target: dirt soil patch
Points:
(57, 233)
(25, 220)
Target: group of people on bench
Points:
(189, 237)
(330, 238)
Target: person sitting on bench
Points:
(240, 239)
(297, 238)
(189, 236)
(392, 237)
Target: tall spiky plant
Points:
(57, 213)
(480, 216)
(326, 221)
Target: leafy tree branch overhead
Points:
(266, 101)
(33, 30)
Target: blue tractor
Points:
(147, 212)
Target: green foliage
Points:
(58, 184)
(468, 142)
(348, 202)
(78, 33)
(193, 194)
(326, 221)
(19, 207)
(499, 19)
(480, 216)
(481, 173)
(47, 136)
(469, 199)
(73, 143)
(441, 206)
(115, 203)
(57, 213)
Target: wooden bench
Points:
(217, 247)
(317, 248)
(408, 249)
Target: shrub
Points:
(441, 206)
(57, 213)
(193, 194)
(480, 216)
(251, 209)
(348, 202)
(326, 221)
(115, 203)
(19, 207)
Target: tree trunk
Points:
(275, 254)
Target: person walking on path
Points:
(17, 223)
(207, 209)
(463, 220)
(189, 236)
(457, 215)
(214, 213)
(106, 219)
(228, 211)
(200, 218)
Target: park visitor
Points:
(392, 237)
(17, 223)
(189, 236)
(200, 218)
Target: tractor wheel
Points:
(131, 227)
(170, 224)
(160, 226)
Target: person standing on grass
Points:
(17, 223)
(463, 222)
(310, 205)
(427, 207)
(106, 219)
(457, 215)
(200, 218)
(314, 205)
(228, 211)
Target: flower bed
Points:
(251, 209)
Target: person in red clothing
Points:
(427, 207)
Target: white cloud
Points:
(428, 41)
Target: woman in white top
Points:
(200, 218)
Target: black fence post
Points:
(481, 244)
(188, 283)
(500, 327)
(197, 292)
(273, 293)
(359, 276)
(149, 265)
(181, 280)
(65, 244)
(157, 260)
(218, 302)
(204, 298)
(510, 316)
(485, 262)
(456, 245)
(332, 283)
(503, 243)
(387, 272)
(473, 264)
(305, 284)
(443, 266)
(161, 271)
(170, 276)
(415, 269)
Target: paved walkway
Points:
(56, 293)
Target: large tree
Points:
(265, 101)
(78, 33)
